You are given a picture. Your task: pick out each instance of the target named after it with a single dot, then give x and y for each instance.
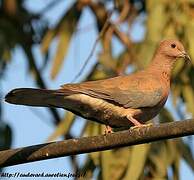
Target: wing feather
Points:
(123, 90)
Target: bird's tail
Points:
(33, 97)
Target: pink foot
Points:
(137, 124)
(134, 121)
(108, 129)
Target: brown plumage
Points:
(118, 102)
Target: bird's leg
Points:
(136, 123)
(108, 129)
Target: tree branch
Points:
(96, 143)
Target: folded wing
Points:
(123, 91)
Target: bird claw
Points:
(108, 130)
(140, 126)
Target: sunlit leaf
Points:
(190, 35)
(6, 55)
(189, 97)
(165, 116)
(186, 152)
(64, 38)
(158, 158)
(10, 6)
(107, 61)
(138, 157)
(178, 67)
(176, 91)
(156, 21)
(65, 30)
(94, 129)
(50, 34)
(89, 168)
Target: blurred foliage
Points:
(163, 19)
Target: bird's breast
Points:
(98, 110)
(148, 113)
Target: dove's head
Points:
(172, 49)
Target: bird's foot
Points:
(140, 126)
(108, 130)
(134, 121)
(137, 124)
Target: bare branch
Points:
(96, 143)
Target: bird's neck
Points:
(162, 65)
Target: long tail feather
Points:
(32, 97)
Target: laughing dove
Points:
(121, 101)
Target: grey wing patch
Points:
(145, 99)
(127, 98)
(136, 99)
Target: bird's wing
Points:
(126, 91)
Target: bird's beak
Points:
(185, 56)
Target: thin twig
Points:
(104, 28)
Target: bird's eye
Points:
(173, 45)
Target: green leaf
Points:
(190, 36)
(178, 67)
(107, 61)
(145, 53)
(158, 159)
(93, 129)
(176, 91)
(165, 116)
(114, 163)
(156, 21)
(173, 153)
(189, 98)
(173, 157)
(62, 48)
(48, 37)
(6, 56)
(170, 31)
(186, 152)
(176, 168)
(163, 155)
(89, 168)
(137, 161)
(105, 164)
(64, 31)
